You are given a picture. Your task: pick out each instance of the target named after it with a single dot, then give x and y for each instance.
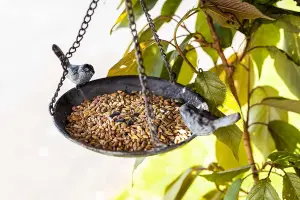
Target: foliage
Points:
(260, 80)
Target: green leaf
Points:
(170, 7)
(240, 77)
(263, 190)
(183, 72)
(291, 187)
(223, 177)
(282, 103)
(286, 136)
(122, 20)
(260, 134)
(186, 73)
(177, 189)
(212, 53)
(291, 39)
(234, 189)
(137, 163)
(231, 136)
(261, 37)
(209, 86)
(153, 62)
(225, 35)
(287, 69)
(284, 159)
(213, 195)
(202, 26)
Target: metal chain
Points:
(157, 40)
(141, 69)
(72, 50)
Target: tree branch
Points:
(217, 46)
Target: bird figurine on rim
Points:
(77, 74)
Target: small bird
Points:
(78, 74)
(201, 122)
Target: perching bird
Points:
(201, 122)
(78, 74)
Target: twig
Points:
(186, 16)
(246, 135)
(217, 46)
(257, 123)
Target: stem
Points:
(246, 135)
(257, 123)
(193, 11)
(217, 46)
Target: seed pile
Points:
(118, 122)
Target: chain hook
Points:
(64, 58)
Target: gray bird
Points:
(78, 74)
(201, 122)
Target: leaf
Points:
(284, 159)
(122, 20)
(263, 190)
(231, 136)
(241, 76)
(137, 163)
(120, 4)
(177, 189)
(127, 65)
(291, 38)
(202, 27)
(287, 69)
(291, 187)
(153, 61)
(286, 136)
(242, 10)
(234, 189)
(225, 35)
(186, 74)
(170, 7)
(230, 13)
(260, 134)
(209, 86)
(261, 37)
(282, 103)
(222, 177)
(213, 195)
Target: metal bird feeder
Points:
(166, 88)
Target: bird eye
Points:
(86, 69)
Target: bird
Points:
(202, 122)
(77, 74)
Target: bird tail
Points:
(61, 56)
(227, 120)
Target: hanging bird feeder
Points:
(72, 111)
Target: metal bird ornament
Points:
(78, 74)
(201, 122)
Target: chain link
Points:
(72, 50)
(157, 40)
(141, 70)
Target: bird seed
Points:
(118, 122)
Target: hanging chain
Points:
(72, 50)
(157, 40)
(141, 70)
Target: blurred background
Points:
(37, 162)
